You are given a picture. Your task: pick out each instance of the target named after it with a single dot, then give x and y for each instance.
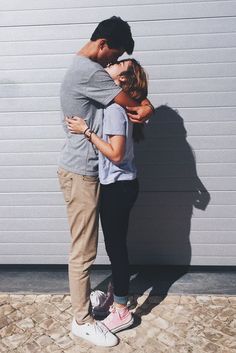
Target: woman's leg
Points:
(117, 200)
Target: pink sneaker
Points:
(119, 319)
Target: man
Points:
(85, 91)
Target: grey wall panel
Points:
(192, 71)
(203, 114)
(175, 259)
(190, 41)
(55, 211)
(179, 100)
(152, 259)
(44, 167)
(50, 145)
(55, 4)
(197, 237)
(182, 169)
(32, 199)
(202, 156)
(182, 184)
(32, 259)
(193, 129)
(35, 76)
(32, 132)
(130, 13)
(42, 159)
(42, 259)
(154, 199)
(30, 90)
(222, 84)
(139, 29)
(197, 250)
(160, 170)
(36, 62)
(170, 73)
(197, 142)
(150, 199)
(215, 56)
(197, 224)
(186, 207)
(187, 56)
(163, 211)
(163, 135)
(193, 85)
(59, 236)
(26, 171)
(59, 211)
(149, 183)
(61, 249)
(30, 118)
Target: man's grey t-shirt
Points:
(85, 90)
(116, 122)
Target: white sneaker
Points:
(96, 333)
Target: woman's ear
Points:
(122, 78)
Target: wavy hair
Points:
(135, 83)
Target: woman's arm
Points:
(114, 149)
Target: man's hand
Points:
(139, 114)
(136, 114)
(76, 125)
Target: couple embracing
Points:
(104, 105)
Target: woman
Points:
(118, 178)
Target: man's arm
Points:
(103, 89)
(139, 113)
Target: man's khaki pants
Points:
(81, 194)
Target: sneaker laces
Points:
(113, 310)
(100, 327)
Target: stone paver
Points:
(178, 324)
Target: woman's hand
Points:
(76, 125)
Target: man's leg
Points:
(81, 194)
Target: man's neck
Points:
(89, 51)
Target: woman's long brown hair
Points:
(134, 82)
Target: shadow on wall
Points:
(160, 223)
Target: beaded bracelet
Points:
(86, 130)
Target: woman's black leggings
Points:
(117, 199)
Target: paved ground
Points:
(177, 324)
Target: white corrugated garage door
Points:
(188, 48)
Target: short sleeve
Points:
(101, 87)
(115, 120)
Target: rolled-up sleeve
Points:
(101, 88)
